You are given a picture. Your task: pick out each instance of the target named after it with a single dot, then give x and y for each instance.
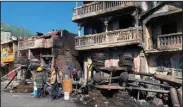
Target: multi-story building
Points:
(111, 28)
(9, 46)
(162, 32)
(114, 28)
(45, 47)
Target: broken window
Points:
(169, 28)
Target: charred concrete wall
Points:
(164, 61)
(157, 26)
(161, 22)
(113, 56)
(64, 44)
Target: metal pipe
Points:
(142, 73)
(132, 84)
(145, 89)
(174, 97)
(168, 79)
(152, 83)
(179, 92)
(130, 88)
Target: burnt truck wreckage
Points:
(126, 47)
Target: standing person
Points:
(40, 81)
(55, 81)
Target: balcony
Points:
(109, 39)
(170, 41)
(96, 8)
(33, 43)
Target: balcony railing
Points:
(35, 43)
(170, 41)
(101, 7)
(109, 39)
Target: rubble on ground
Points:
(15, 87)
(120, 99)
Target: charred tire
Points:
(98, 60)
(126, 60)
(124, 77)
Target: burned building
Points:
(162, 33)
(111, 29)
(122, 34)
(134, 46)
(46, 47)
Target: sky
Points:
(39, 16)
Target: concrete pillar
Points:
(106, 21)
(136, 17)
(106, 25)
(79, 29)
(29, 54)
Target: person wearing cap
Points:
(40, 81)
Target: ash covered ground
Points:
(119, 99)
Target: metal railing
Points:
(117, 37)
(170, 41)
(100, 7)
(35, 43)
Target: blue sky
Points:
(39, 16)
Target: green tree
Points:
(16, 31)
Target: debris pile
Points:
(118, 99)
(21, 88)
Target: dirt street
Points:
(26, 100)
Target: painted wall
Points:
(5, 36)
(7, 53)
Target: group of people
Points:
(41, 79)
